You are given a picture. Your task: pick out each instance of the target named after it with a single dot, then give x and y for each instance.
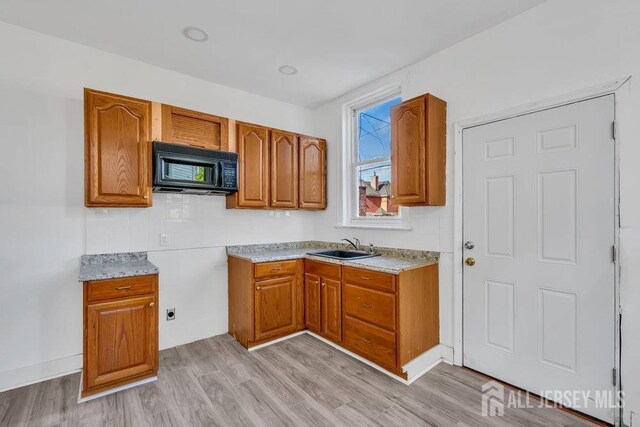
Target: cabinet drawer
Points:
(276, 268)
(370, 278)
(100, 290)
(371, 305)
(322, 269)
(371, 342)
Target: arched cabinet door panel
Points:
(313, 173)
(117, 155)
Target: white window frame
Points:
(349, 213)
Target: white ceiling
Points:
(336, 45)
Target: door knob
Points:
(470, 261)
(469, 244)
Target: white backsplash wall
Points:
(193, 265)
(45, 228)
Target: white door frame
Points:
(621, 89)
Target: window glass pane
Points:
(374, 131)
(374, 191)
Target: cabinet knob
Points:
(258, 288)
(151, 304)
(323, 284)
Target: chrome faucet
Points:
(356, 245)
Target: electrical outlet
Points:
(164, 240)
(171, 314)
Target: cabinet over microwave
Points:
(190, 170)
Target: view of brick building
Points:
(375, 198)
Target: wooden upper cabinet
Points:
(284, 169)
(187, 127)
(253, 173)
(418, 152)
(117, 150)
(313, 173)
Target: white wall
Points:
(553, 49)
(44, 227)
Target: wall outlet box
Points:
(164, 240)
(171, 313)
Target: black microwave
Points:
(190, 170)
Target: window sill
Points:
(389, 227)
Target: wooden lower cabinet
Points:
(266, 300)
(312, 314)
(275, 304)
(389, 319)
(120, 332)
(331, 302)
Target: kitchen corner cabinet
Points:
(323, 303)
(120, 332)
(266, 300)
(389, 319)
(418, 152)
(313, 173)
(195, 129)
(278, 170)
(117, 150)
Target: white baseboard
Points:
(447, 354)
(20, 377)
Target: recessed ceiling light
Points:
(287, 70)
(196, 34)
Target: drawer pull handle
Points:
(367, 340)
(367, 305)
(276, 268)
(122, 288)
(366, 278)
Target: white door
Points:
(539, 209)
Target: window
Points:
(366, 161)
(372, 164)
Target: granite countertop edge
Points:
(115, 266)
(403, 258)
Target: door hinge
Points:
(613, 130)
(614, 376)
(614, 253)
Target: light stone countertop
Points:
(391, 260)
(113, 266)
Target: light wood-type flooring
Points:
(297, 382)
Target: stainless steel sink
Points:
(344, 254)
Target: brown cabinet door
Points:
(253, 175)
(275, 307)
(312, 302)
(284, 169)
(418, 152)
(408, 132)
(121, 341)
(187, 127)
(331, 303)
(117, 155)
(313, 168)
